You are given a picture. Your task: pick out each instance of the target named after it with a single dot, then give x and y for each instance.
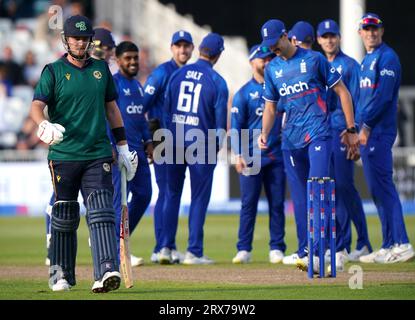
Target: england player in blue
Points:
(298, 78)
(154, 91)
(302, 35)
(348, 202)
(130, 102)
(247, 108)
(196, 102)
(380, 78)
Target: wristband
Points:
(119, 134)
(351, 130)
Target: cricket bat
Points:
(125, 258)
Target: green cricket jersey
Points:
(76, 100)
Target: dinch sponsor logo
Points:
(134, 109)
(365, 82)
(259, 112)
(295, 88)
(386, 72)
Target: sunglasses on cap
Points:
(371, 21)
(259, 49)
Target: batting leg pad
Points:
(101, 223)
(64, 223)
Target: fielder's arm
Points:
(268, 119)
(346, 101)
(351, 139)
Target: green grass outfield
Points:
(23, 275)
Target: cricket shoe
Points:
(110, 281)
(276, 256)
(136, 261)
(370, 258)
(190, 259)
(164, 256)
(61, 285)
(291, 259)
(177, 257)
(341, 260)
(154, 257)
(399, 253)
(242, 256)
(356, 254)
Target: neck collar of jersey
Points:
(205, 62)
(377, 48)
(256, 81)
(86, 64)
(174, 63)
(338, 54)
(120, 74)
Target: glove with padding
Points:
(50, 133)
(128, 159)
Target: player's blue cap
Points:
(181, 35)
(212, 44)
(302, 31)
(328, 26)
(103, 37)
(371, 19)
(260, 52)
(78, 26)
(271, 32)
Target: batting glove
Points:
(128, 159)
(50, 133)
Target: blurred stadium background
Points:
(27, 44)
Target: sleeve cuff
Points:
(41, 98)
(111, 98)
(366, 127)
(335, 82)
(269, 100)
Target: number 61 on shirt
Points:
(189, 96)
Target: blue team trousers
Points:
(301, 164)
(139, 188)
(378, 169)
(272, 176)
(161, 180)
(348, 202)
(201, 178)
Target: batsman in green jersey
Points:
(80, 95)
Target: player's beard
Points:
(129, 72)
(260, 70)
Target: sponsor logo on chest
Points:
(298, 87)
(134, 109)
